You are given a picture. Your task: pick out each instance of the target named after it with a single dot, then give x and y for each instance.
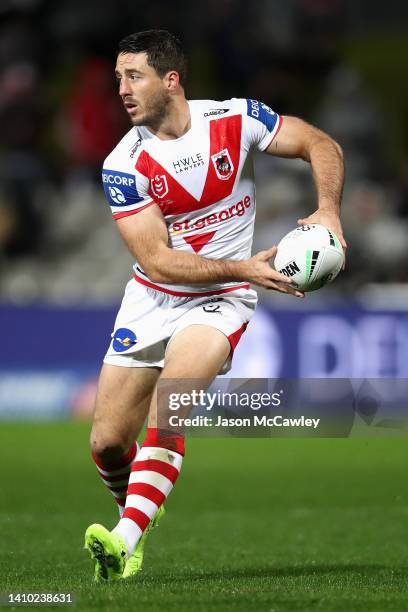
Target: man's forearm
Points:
(178, 267)
(326, 159)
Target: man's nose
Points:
(124, 88)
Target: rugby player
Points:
(181, 188)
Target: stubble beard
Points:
(155, 110)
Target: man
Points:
(181, 188)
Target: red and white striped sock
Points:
(153, 476)
(115, 475)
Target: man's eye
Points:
(134, 77)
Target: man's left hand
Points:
(329, 219)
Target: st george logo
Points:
(223, 164)
(159, 185)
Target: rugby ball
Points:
(311, 255)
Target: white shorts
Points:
(148, 319)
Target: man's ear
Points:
(172, 80)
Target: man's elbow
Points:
(157, 276)
(321, 141)
(155, 262)
(339, 150)
(155, 268)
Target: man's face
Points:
(143, 92)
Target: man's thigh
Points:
(122, 403)
(196, 351)
(229, 314)
(194, 357)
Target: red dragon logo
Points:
(223, 164)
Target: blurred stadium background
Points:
(286, 524)
(336, 63)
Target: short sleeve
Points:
(127, 194)
(260, 124)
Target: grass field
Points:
(261, 524)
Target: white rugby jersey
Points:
(203, 182)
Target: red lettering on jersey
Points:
(225, 135)
(198, 241)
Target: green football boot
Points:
(134, 563)
(109, 551)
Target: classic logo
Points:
(159, 185)
(223, 164)
(212, 305)
(215, 308)
(216, 111)
(135, 147)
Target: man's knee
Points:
(108, 445)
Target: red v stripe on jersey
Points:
(225, 133)
(178, 200)
(198, 241)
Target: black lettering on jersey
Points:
(188, 163)
(135, 147)
(216, 111)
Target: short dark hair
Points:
(164, 51)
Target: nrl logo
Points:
(159, 186)
(223, 164)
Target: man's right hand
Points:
(259, 271)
